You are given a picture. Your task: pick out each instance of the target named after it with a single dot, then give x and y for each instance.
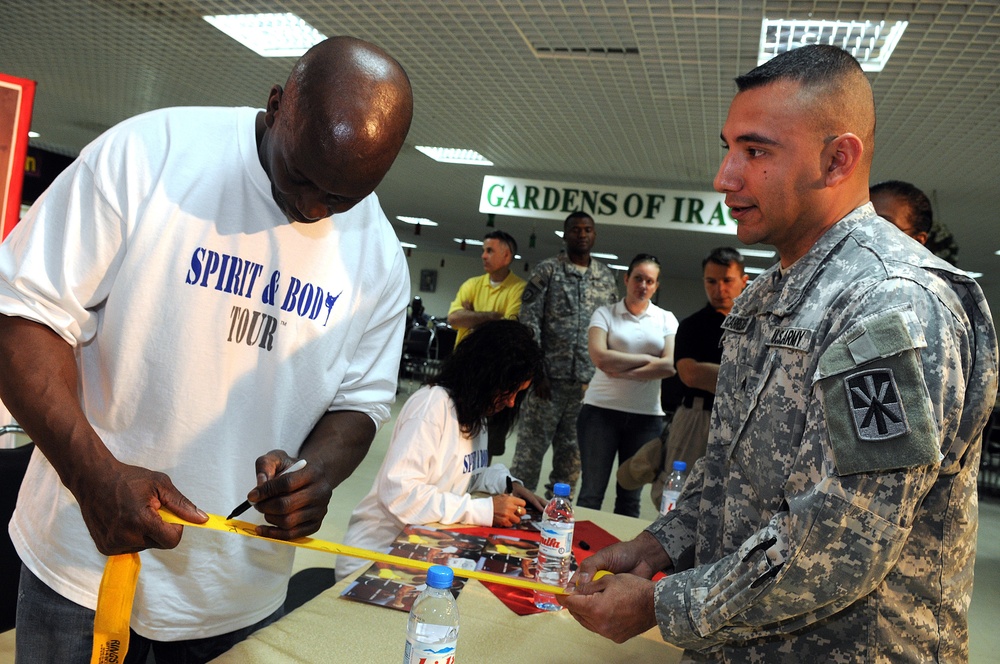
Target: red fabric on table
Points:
(520, 601)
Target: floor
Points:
(984, 614)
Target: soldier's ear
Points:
(842, 156)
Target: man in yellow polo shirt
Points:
(490, 296)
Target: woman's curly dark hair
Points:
(488, 366)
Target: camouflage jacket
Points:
(834, 516)
(557, 304)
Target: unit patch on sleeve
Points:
(876, 407)
(534, 287)
(877, 410)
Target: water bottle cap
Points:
(561, 489)
(440, 576)
(680, 465)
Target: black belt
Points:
(706, 403)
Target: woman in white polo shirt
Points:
(632, 345)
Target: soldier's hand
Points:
(617, 607)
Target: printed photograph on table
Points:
(397, 587)
(512, 556)
(391, 591)
(509, 556)
(438, 546)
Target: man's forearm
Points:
(339, 441)
(39, 386)
(469, 319)
(118, 502)
(698, 375)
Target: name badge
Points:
(795, 338)
(736, 323)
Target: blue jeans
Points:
(603, 433)
(50, 628)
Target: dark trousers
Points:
(604, 433)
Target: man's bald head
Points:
(329, 137)
(352, 93)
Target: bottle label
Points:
(556, 540)
(669, 500)
(442, 652)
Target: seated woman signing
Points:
(437, 455)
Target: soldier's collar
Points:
(801, 274)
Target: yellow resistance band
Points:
(114, 607)
(114, 603)
(249, 530)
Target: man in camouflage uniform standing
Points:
(834, 515)
(557, 303)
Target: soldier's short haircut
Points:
(504, 237)
(919, 204)
(832, 82)
(724, 256)
(816, 64)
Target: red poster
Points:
(17, 95)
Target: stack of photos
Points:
(397, 587)
(510, 556)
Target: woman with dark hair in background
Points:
(437, 456)
(631, 343)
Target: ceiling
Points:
(645, 119)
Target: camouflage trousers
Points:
(545, 423)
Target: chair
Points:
(13, 464)
(444, 338)
(417, 344)
(444, 344)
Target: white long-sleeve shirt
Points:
(429, 472)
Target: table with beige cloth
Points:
(332, 629)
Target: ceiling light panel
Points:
(870, 42)
(417, 221)
(269, 35)
(454, 155)
(756, 253)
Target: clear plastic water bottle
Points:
(672, 489)
(432, 630)
(555, 550)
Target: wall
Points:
(455, 271)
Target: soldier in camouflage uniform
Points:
(557, 303)
(834, 516)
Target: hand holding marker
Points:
(246, 504)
